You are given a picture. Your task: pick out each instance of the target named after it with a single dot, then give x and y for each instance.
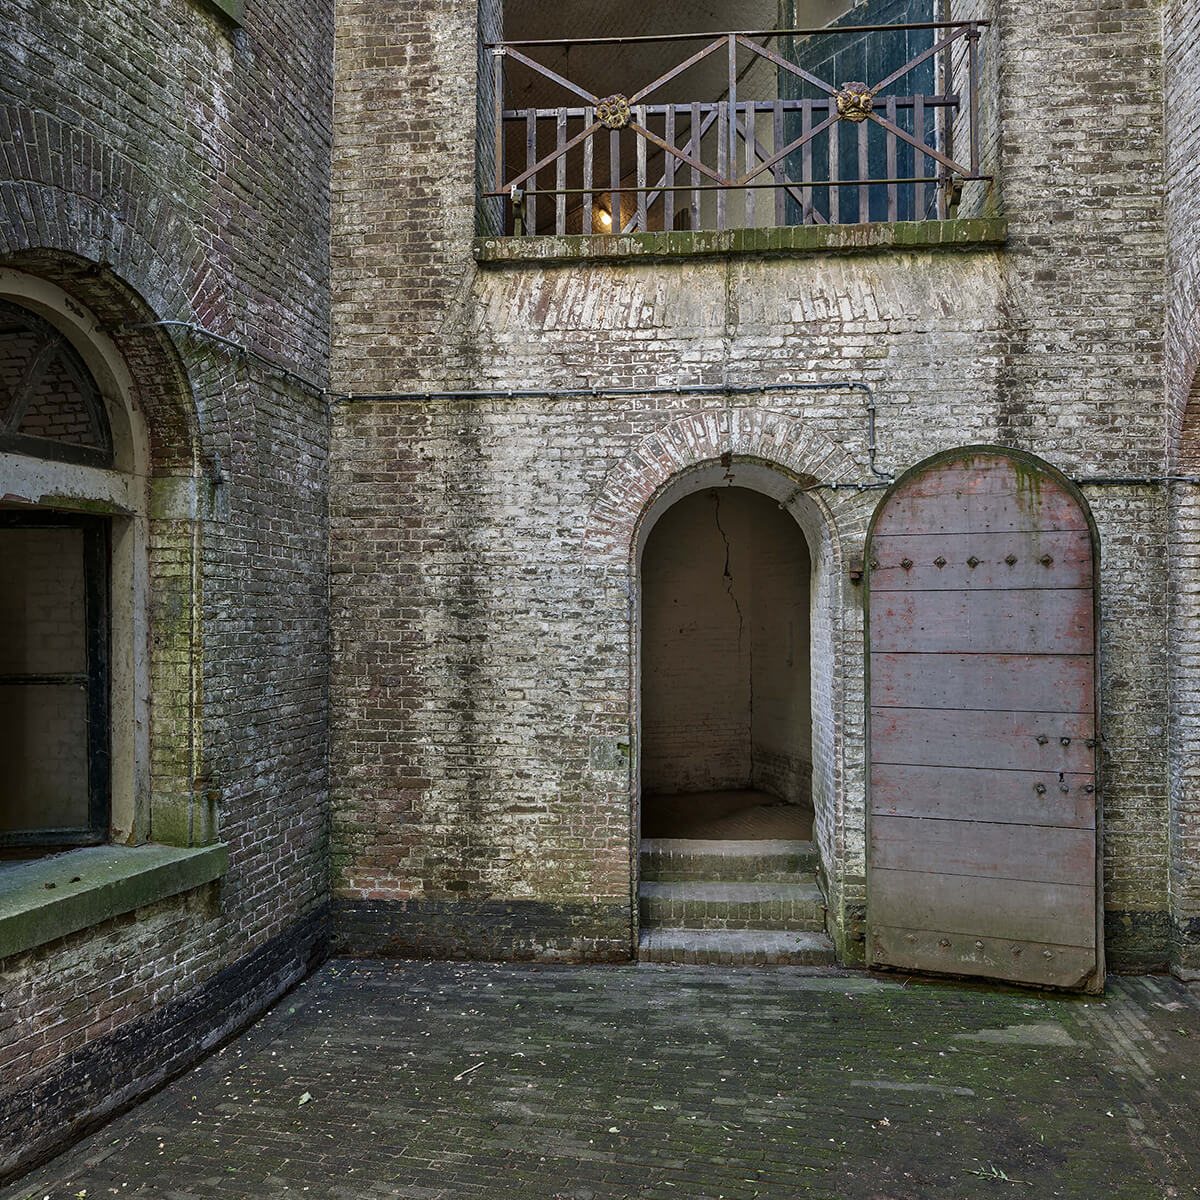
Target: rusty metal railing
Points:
(622, 163)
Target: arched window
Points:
(50, 405)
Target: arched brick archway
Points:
(154, 524)
(94, 246)
(776, 455)
(89, 221)
(751, 434)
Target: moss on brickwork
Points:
(46, 900)
(790, 239)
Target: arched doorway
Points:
(726, 707)
(982, 813)
(735, 754)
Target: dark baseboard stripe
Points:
(1136, 941)
(107, 1076)
(513, 930)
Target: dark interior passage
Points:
(53, 687)
(726, 707)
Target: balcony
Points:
(741, 130)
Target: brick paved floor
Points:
(465, 1080)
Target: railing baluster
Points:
(588, 151)
(560, 182)
(806, 168)
(893, 200)
(750, 135)
(498, 113)
(945, 112)
(835, 211)
(946, 118)
(640, 116)
(864, 171)
(614, 181)
(732, 106)
(973, 93)
(669, 161)
(919, 158)
(722, 157)
(530, 159)
(943, 186)
(780, 193)
(695, 153)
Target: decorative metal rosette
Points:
(854, 102)
(613, 112)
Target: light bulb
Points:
(606, 218)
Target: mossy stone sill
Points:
(958, 234)
(233, 10)
(94, 884)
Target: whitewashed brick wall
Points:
(482, 549)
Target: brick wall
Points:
(482, 668)
(160, 164)
(1182, 32)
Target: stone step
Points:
(669, 859)
(736, 947)
(720, 905)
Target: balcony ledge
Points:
(959, 234)
(47, 899)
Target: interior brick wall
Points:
(725, 649)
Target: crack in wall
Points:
(728, 577)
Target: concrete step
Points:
(693, 904)
(673, 859)
(736, 947)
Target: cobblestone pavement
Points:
(446, 1080)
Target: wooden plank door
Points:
(983, 724)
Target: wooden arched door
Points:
(982, 814)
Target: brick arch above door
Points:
(784, 441)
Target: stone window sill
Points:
(52, 897)
(958, 234)
(234, 10)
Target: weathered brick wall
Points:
(482, 671)
(1182, 49)
(160, 164)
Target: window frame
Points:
(54, 344)
(96, 676)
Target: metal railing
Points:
(846, 152)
